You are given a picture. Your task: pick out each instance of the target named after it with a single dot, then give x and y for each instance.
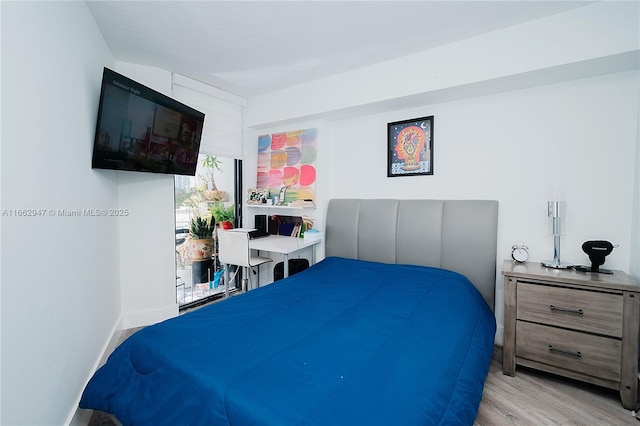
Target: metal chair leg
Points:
(245, 279)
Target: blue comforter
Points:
(344, 342)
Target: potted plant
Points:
(224, 215)
(201, 241)
(210, 191)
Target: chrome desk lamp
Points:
(554, 211)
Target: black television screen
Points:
(139, 129)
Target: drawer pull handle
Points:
(577, 354)
(571, 311)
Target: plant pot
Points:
(214, 195)
(226, 225)
(201, 271)
(201, 249)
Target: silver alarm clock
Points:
(520, 252)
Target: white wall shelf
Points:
(264, 206)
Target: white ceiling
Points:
(253, 47)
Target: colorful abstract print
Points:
(288, 159)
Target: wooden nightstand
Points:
(575, 324)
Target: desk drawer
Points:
(583, 310)
(596, 356)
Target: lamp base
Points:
(556, 265)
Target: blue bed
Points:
(345, 342)
(380, 332)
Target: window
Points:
(213, 189)
(209, 193)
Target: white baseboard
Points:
(79, 416)
(499, 335)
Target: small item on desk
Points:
(297, 229)
(307, 221)
(303, 203)
(285, 228)
(284, 225)
(258, 233)
(312, 234)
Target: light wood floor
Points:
(537, 398)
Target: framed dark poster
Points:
(410, 147)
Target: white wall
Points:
(567, 115)
(60, 275)
(587, 41)
(70, 282)
(147, 235)
(512, 147)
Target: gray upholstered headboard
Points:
(459, 235)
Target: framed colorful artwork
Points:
(287, 165)
(410, 147)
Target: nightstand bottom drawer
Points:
(595, 356)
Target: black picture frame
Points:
(410, 147)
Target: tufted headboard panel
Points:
(459, 235)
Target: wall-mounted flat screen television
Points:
(139, 129)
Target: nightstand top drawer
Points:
(582, 310)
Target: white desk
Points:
(284, 246)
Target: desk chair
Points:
(233, 249)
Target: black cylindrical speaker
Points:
(261, 222)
